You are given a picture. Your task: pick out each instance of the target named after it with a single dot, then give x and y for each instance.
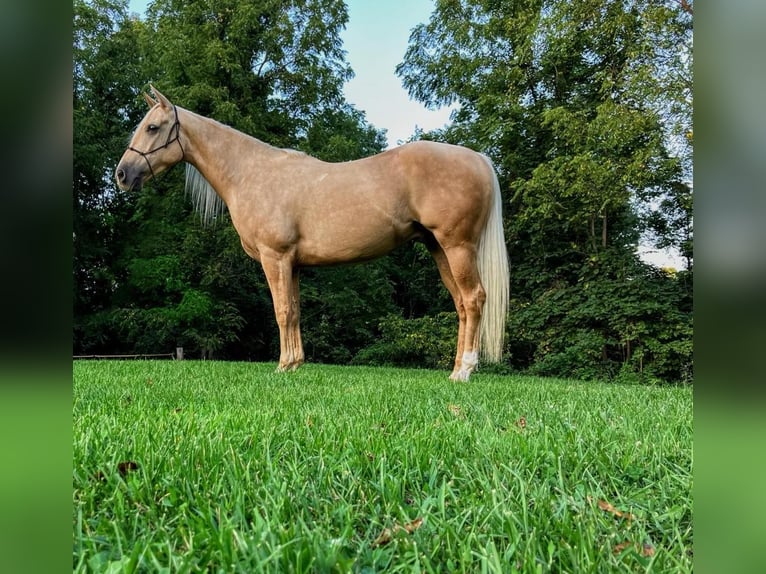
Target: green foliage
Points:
(427, 342)
(631, 328)
(342, 135)
(265, 68)
(165, 310)
(340, 309)
(102, 35)
(147, 276)
(593, 158)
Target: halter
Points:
(177, 126)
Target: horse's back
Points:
(362, 209)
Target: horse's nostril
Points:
(121, 174)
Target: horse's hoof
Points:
(460, 376)
(289, 367)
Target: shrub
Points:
(425, 342)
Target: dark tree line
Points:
(584, 107)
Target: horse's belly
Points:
(350, 241)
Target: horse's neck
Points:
(220, 153)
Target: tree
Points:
(584, 108)
(342, 134)
(104, 63)
(266, 68)
(562, 96)
(273, 70)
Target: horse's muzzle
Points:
(128, 179)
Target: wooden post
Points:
(179, 353)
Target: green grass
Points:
(238, 468)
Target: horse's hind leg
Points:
(449, 282)
(283, 283)
(465, 273)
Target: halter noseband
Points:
(177, 126)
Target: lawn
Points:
(186, 466)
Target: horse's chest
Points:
(251, 250)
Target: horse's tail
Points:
(494, 270)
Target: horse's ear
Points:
(149, 100)
(162, 100)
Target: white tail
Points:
(494, 270)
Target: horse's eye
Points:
(152, 128)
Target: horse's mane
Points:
(206, 201)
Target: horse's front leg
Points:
(282, 278)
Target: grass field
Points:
(184, 466)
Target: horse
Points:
(292, 210)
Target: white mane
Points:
(206, 201)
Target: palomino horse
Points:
(292, 210)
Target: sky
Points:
(375, 40)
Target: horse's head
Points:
(155, 145)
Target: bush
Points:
(425, 342)
(605, 325)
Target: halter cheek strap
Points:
(177, 127)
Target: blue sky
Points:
(375, 40)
